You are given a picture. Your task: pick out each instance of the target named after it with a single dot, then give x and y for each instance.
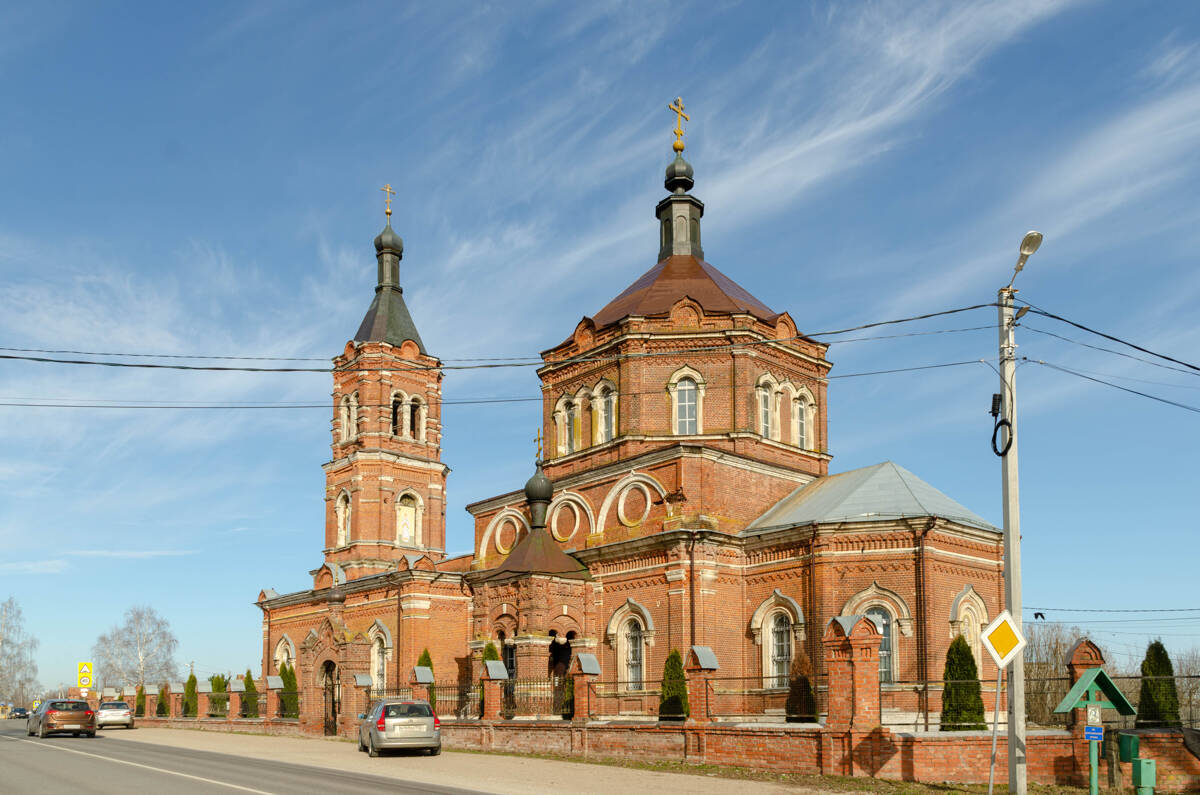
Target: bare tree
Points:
(18, 671)
(137, 652)
(1046, 679)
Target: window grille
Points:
(781, 650)
(883, 620)
(764, 412)
(802, 424)
(633, 654)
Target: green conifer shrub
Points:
(427, 661)
(673, 703)
(163, 707)
(1158, 701)
(962, 700)
(250, 697)
(218, 701)
(139, 704)
(490, 652)
(801, 704)
(289, 698)
(189, 697)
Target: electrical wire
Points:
(1115, 610)
(1107, 350)
(86, 403)
(1078, 374)
(1136, 347)
(494, 362)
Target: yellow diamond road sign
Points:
(85, 674)
(1003, 639)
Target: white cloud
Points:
(34, 567)
(132, 554)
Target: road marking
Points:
(145, 767)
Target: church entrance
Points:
(331, 687)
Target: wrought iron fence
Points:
(1042, 695)
(389, 692)
(249, 706)
(460, 700)
(623, 699)
(218, 705)
(746, 698)
(289, 704)
(1180, 695)
(545, 697)
(917, 705)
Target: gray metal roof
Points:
(388, 320)
(881, 492)
(705, 658)
(237, 686)
(588, 663)
(274, 683)
(495, 669)
(422, 674)
(363, 680)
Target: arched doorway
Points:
(331, 688)
(560, 653)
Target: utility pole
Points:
(1017, 772)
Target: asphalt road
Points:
(65, 764)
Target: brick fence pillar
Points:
(234, 707)
(271, 696)
(700, 665)
(852, 664)
(1082, 656)
(151, 703)
(584, 670)
(494, 673)
(202, 699)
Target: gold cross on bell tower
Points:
(387, 202)
(680, 117)
(538, 440)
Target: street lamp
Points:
(1017, 778)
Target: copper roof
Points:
(662, 286)
(537, 553)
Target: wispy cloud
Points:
(53, 566)
(132, 554)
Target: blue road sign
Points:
(1093, 733)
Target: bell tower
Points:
(385, 487)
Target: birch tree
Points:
(138, 652)
(18, 671)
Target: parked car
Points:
(57, 716)
(114, 713)
(399, 723)
(19, 712)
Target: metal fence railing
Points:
(753, 698)
(289, 704)
(1180, 694)
(533, 697)
(916, 705)
(459, 700)
(250, 705)
(389, 692)
(623, 699)
(218, 705)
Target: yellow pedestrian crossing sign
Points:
(85, 674)
(1003, 639)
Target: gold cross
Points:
(680, 117)
(387, 202)
(538, 439)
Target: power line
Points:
(86, 403)
(1116, 610)
(1078, 374)
(1111, 337)
(493, 362)
(1107, 350)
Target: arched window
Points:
(379, 664)
(354, 415)
(508, 655)
(416, 419)
(284, 653)
(800, 419)
(635, 650)
(397, 416)
(685, 407)
(341, 511)
(407, 528)
(572, 418)
(344, 419)
(606, 405)
(764, 411)
(781, 649)
(883, 620)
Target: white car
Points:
(114, 713)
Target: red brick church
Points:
(684, 500)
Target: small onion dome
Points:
(335, 595)
(679, 175)
(388, 240)
(539, 488)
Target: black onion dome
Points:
(539, 488)
(388, 240)
(679, 175)
(335, 595)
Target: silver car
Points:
(114, 713)
(399, 723)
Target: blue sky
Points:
(203, 179)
